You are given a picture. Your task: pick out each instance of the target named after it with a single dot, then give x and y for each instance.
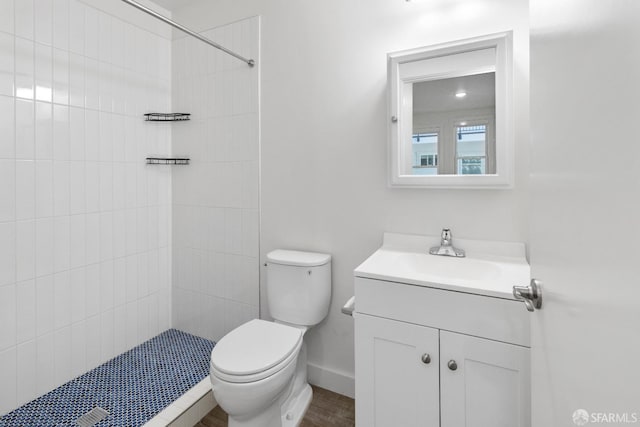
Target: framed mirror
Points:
(450, 115)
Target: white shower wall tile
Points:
(92, 237)
(93, 341)
(7, 121)
(92, 289)
(78, 295)
(85, 226)
(8, 379)
(25, 373)
(61, 300)
(7, 316)
(91, 17)
(44, 188)
(7, 191)
(25, 311)
(24, 68)
(60, 77)
(119, 281)
(131, 314)
(76, 80)
(60, 19)
(43, 11)
(105, 36)
(45, 364)
(62, 355)
(120, 330)
(24, 18)
(25, 132)
(78, 348)
(60, 134)
(44, 246)
(77, 241)
(61, 243)
(25, 189)
(44, 306)
(43, 73)
(215, 199)
(25, 250)
(107, 335)
(6, 16)
(7, 253)
(61, 188)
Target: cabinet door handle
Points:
(426, 358)
(452, 365)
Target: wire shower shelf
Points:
(167, 117)
(167, 161)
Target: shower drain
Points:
(92, 417)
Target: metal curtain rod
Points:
(184, 29)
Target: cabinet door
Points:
(394, 386)
(490, 385)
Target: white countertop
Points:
(489, 268)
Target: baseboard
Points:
(335, 381)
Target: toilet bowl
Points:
(259, 370)
(253, 370)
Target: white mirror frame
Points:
(401, 108)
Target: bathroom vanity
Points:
(441, 341)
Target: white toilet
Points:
(259, 370)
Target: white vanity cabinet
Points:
(397, 378)
(438, 358)
(490, 386)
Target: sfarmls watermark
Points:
(581, 417)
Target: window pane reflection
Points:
(425, 153)
(471, 150)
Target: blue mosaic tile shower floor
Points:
(132, 387)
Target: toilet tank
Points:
(298, 286)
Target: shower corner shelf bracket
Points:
(167, 161)
(167, 117)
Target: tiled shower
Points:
(98, 251)
(215, 199)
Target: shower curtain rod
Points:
(184, 29)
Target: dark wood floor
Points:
(327, 409)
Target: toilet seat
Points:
(254, 351)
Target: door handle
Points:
(531, 295)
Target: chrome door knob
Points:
(452, 365)
(426, 358)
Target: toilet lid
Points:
(254, 347)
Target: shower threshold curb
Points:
(187, 410)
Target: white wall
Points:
(84, 224)
(323, 137)
(215, 198)
(585, 225)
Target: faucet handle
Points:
(446, 235)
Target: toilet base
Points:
(294, 412)
(289, 409)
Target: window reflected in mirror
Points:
(462, 109)
(471, 150)
(425, 153)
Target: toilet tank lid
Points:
(298, 258)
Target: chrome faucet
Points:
(446, 247)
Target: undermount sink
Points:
(490, 268)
